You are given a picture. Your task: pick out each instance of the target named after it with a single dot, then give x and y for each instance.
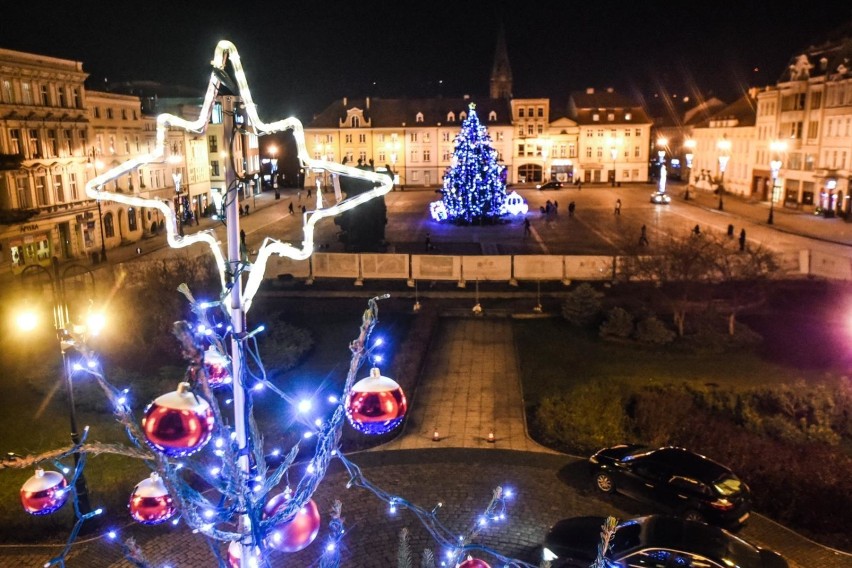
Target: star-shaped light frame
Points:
(225, 52)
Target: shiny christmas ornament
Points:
(150, 502)
(297, 533)
(473, 563)
(44, 493)
(216, 367)
(235, 554)
(376, 404)
(178, 423)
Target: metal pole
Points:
(771, 218)
(232, 221)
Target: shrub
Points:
(283, 346)
(652, 330)
(582, 305)
(618, 323)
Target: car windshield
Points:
(728, 486)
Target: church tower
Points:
(501, 72)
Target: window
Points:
(23, 191)
(14, 141)
(126, 145)
(96, 112)
(347, 139)
(427, 155)
(540, 128)
(73, 188)
(27, 92)
(426, 137)
(572, 151)
(382, 157)
(413, 137)
(33, 135)
(42, 198)
(415, 176)
(68, 137)
(59, 188)
(492, 116)
(446, 156)
(600, 152)
(462, 115)
(636, 153)
(451, 117)
(7, 91)
(520, 130)
(418, 117)
(131, 218)
(445, 136)
(123, 114)
(60, 96)
(596, 117)
(109, 226)
(498, 136)
(541, 112)
(521, 112)
(588, 151)
(215, 118)
(355, 122)
(813, 130)
(610, 116)
(381, 137)
(362, 138)
(45, 96)
(111, 144)
(75, 97)
(628, 116)
(530, 129)
(816, 99)
(638, 132)
(414, 155)
(213, 142)
(52, 143)
(530, 112)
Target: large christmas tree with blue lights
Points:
(474, 185)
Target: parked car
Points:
(654, 541)
(676, 480)
(661, 198)
(549, 185)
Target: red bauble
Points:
(216, 367)
(376, 404)
(44, 493)
(178, 423)
(473, 563)
(235, 554)
(298, 532)
(150, 502)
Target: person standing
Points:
(290, 208)
(527, 228)
(618, 206)
(730, 231)
(742, 240)
(643, 237)
(571, 207)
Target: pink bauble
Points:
(235, 554)
(150, 502)
(178, 423)
(44, 493)
(473, 563)
(375, 405)
(216, 367)
(298, 532)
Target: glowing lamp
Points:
(376, 404)
(235, 555)
(44, 493)
(178, 423)
(150, 502)
(298, 532)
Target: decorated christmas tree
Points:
(474, 185)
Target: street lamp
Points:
(690, 149)
(614, 143)
(724, 147)
(273, 167)
(177, 177)
(776, 148)
(70, 336)
(96, 165)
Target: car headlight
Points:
(547, 555)
(594, 459)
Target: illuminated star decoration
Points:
(225, 52)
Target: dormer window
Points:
(418, 117)
(451, 117)
(610, 116)
(492, 116)
(596, 117)
(462, 115)
(628, 116)
(355, 121)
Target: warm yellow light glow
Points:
(27, 321)
(662, 141)
(273, 150)
(723, 145)
(778, 146)
(689, 144)
(96, 323)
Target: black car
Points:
(550, 185)
(676, 480)
(655, 541)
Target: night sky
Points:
(300, 56)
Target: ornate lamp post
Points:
(68, 335)
(776, 148)
(724, 147)
(690, 149)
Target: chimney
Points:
(368, 103)
(590, 91)
(467, 97)
(345, 101)
(610, 90)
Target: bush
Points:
(652, 330)
(618, 323)
(283, 346)
(582, 305)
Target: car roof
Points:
(689, 463)
(662, 531)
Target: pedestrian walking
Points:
(571, 207)
(730, 231)
(304, 209)
(527, 228)
(299, 196)
(290, 208)
(309, 193)
(696, 230)
(247, 209)
(579, 184)
(643, 237)
(618, 206)
(242, 237)
(742, 240)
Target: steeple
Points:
(501, 72)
